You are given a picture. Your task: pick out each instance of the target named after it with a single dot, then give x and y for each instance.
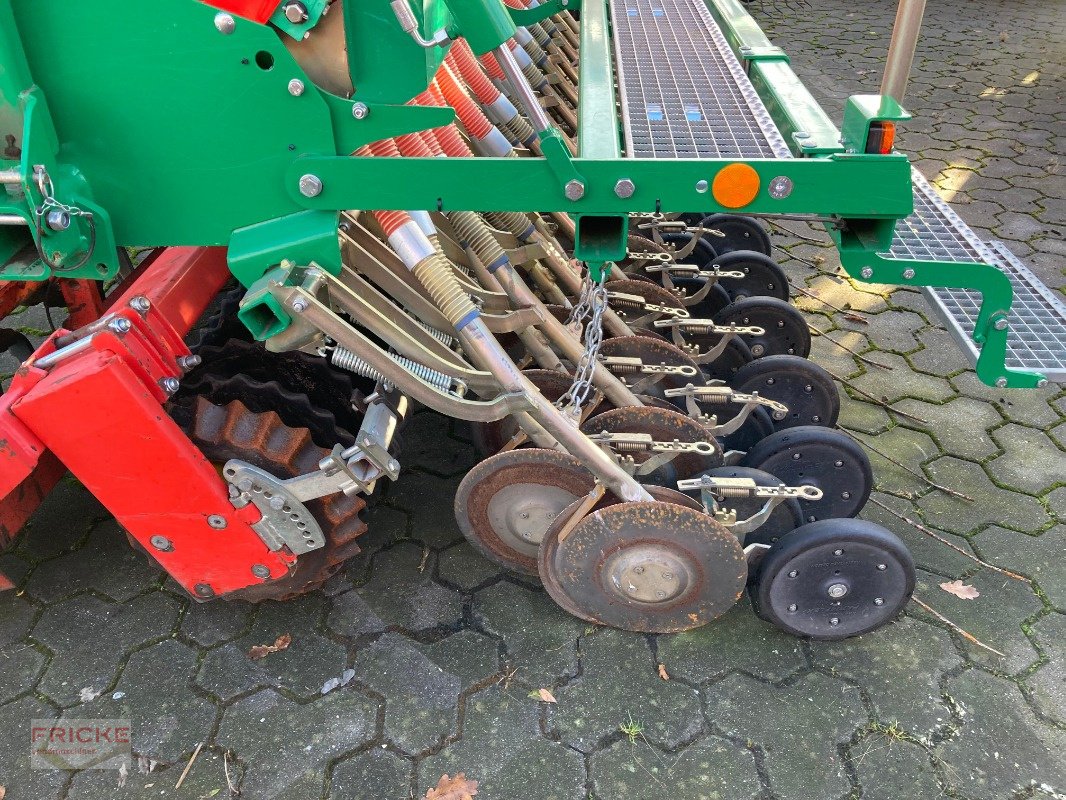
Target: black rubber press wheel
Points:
(785, 329)
(808, 390)
(762, 275)
(822, 457)
(741, 233)
(833, 579)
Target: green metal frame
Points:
(186, 134)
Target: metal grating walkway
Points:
(684, 93)
(934, 232)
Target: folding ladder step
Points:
(1037, 333)
(684, 94)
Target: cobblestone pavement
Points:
(437, 652)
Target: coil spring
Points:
(346, 359)
(440, 336)
(733, 491)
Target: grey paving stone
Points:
(373, 773)
(209, 624)
(421, 685)
(16, 617)
(798, 728)
(901, 381)
(462, 566)
(710, 768)
(167, 718)
(62, 522)
(960, 426)
(15, 772)
(738, 641)
(90, 638)
(427, 499)
(398, 595)
(427, 445)
(1031, 462)
(1048, 684)
(1027, 407)
(990, 505)
(539, 637)
(892, 331)
(1000, 746)
(889, 768)
(996, 617)
(861, 416)
(106, 563)
(302, 668)
(1039, 557)
(940, 356)
(21, 664)
(905, 447)
(928, 553)
(206, 780)
(619, 683)
(502, 749)
(286, 748)
(387, 526)
(899, 666)
(1056, 501)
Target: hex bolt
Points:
(162, 543)
(296, 87)
(867, 272)
(793, 608)
(140, 304)
(295, 13)
(299, 305)
(837, 590)
(908, 274)
(225, 23)
(189, 362)
(261, 571)
(119, 326)
(838, 552)
(882, 567)
(277, 502)
(624, 188)
(1001, 324)
(780, 187)
(845, 495)
(1001, 382)
(574, 190)
(169, 385)
(310, 185)
(793, 573)
(879, 601)
(834, 621)
(360, 110)
(1040, 384)
(217, 521)
(58, 220)
(660, 594)
(204, 590)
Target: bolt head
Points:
(1001, 383)
(260, 571)
(141, 304)
(834, 621)
(360, 110)
(57, 220)
(189, 362)
(161, 543)
(574, 190)
(1001, 325)
(793, 608)
(277, 502)
(204, 590)
(882, 567)
(225, 23)
(624, 188)
(879, 601)
(1040, 384)
(908, 274)
(780, 187)
(296, 87)
(793, 573)
(838, 552)
(217, 521)
(295, 13)
(299, 305)
(867, 272)
(837, 590)
(702, 187)
(310, 185)
(169, 385)
(119, 325)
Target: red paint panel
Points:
(256, 10)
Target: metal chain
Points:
(594, 299)
(48, 204)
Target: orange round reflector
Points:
(735, 185)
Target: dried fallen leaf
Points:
(1004, 36)
(856, 318)
(960, 589)
(260, 650)
(457, 788)
(545, 696)
(3, 792)
(663, 673)
(123, 773)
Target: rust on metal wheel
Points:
(646, 567)
(652, 352)
(648, 291)
(490, 437)
(506, 503)
(262, 439)
(663, 425)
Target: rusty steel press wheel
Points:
(646, 567)
(262, 439)
(506, 503)
(650, 292)
(657, 353)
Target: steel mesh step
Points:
(1037, 333)
(684, 93)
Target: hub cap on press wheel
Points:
(833, 579)
(646, 567)
(506, 503)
